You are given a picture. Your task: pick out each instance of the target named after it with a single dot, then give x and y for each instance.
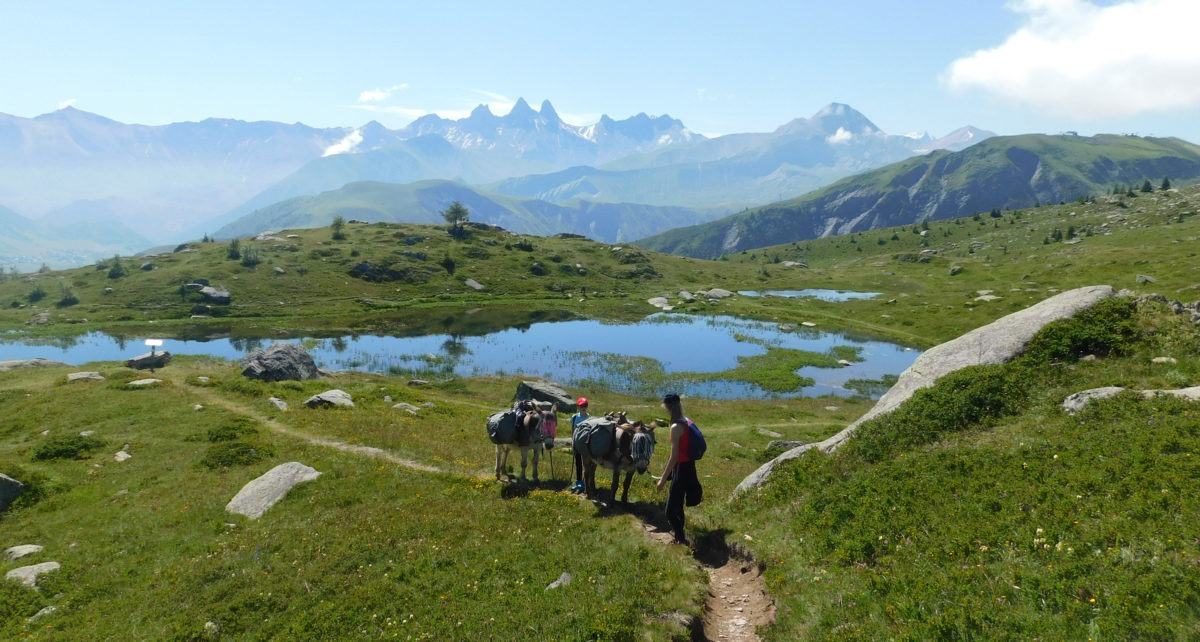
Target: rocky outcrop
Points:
(28, 575)
(149, 361)
(1080, 400)
(261, 494)
(547, 391)
(995, 343)
(142, 383)
(17, 552)
(280, 362)
(30, 363)
(83, 376)
(330, 398)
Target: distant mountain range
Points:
(1002, 172)
(423, 202)
(64, 242)
(173, 182)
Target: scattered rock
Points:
(808, 324)
(429, 404)
(121, 456)
(994, 343)
(987, 297)
(80, 376)
(768, 433)
(203, 379)
(1079, 400)
(844, 363)
(418, 382)
(278, 403)
(28, 575)
(30, 363)
(48, 610)
(147, 266)
(330, 398)
(261, 494)
(407, 407)
(562, 580)
(197, 407)
(1142, 278)
(659, 302)
(473, 284)
(1088, 357)
(279, 270)
(41, 318)
(86, 433)
(686, 296)
(715, 294)
(832, 408)
(955, 270)
(787, 327)
(149, 361)
(1164, 360)
(388, 399)
(546, 391)
(280, 362)
(143, 382)
(17, 552)
(784, 444)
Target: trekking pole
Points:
(551, 464)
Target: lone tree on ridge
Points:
(456, 215)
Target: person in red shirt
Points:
(680, 470)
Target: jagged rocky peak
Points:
(548, 113)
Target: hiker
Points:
(680, 469)
(576, 419)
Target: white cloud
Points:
(378, 94)
(1076, 58)
(70, 102)
(345, 145)
(840, 136)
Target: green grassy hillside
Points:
(423, 202)
(1004, 172)
(980, 511)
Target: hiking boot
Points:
(578, 487)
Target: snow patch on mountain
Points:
(345, 145)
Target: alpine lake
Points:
(718, 357)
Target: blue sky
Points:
(720, 67)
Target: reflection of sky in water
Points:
(553, 350)
(824, 295)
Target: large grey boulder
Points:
(995, 343)
(280, 362)
(330, 398)
(82, 376)
(28, 575)
(547, 391)
(10, 490)
(261, 494)
(30, 363)
(149, 361)
(215, 296)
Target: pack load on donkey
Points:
(595, 435)
(502, 427)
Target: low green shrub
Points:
(969, 397)
(231, 430)
(1109, 327)
(235, 453)
(67, 447)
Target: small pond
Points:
(813, 293)
(639, 358)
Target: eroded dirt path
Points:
(737, 600)
(365, 451)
